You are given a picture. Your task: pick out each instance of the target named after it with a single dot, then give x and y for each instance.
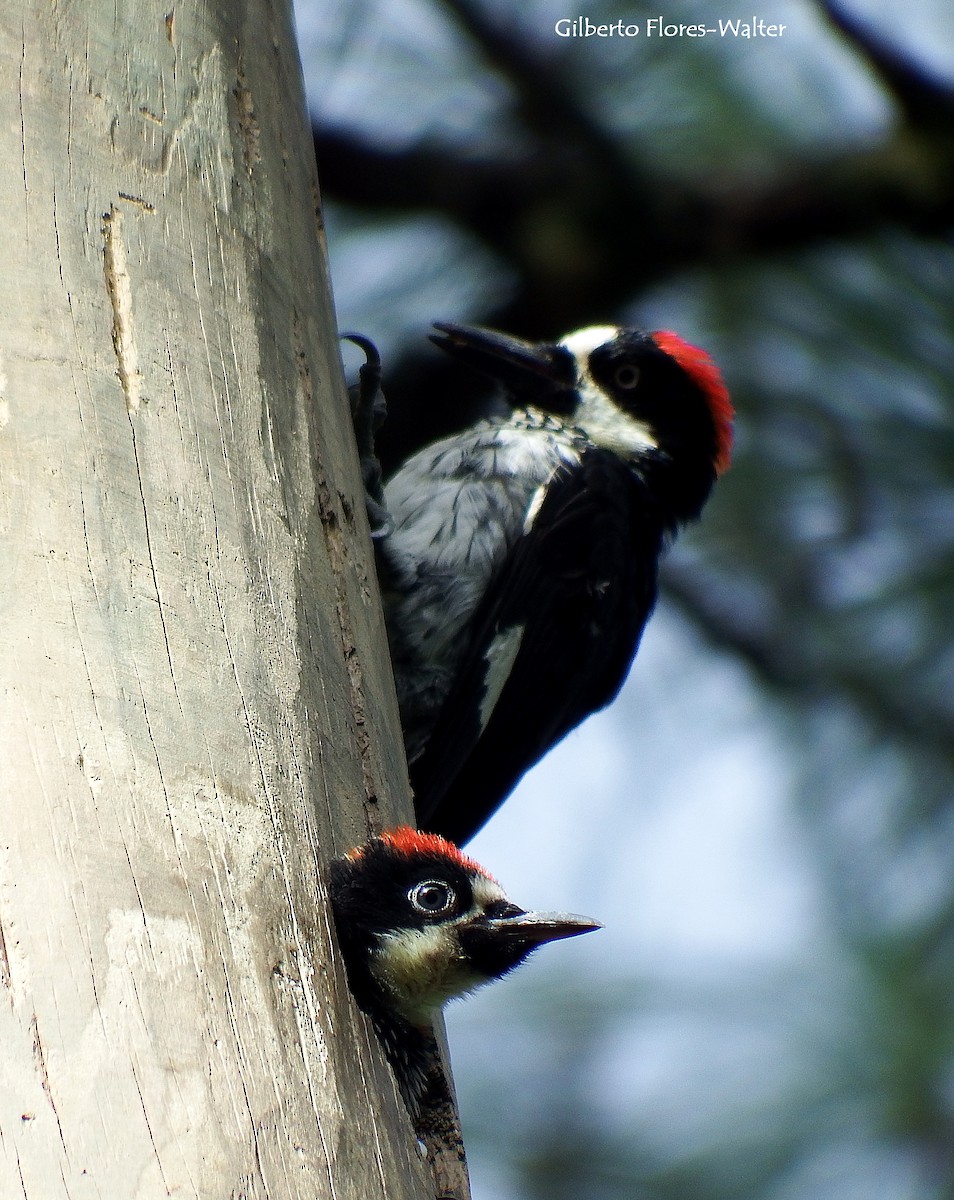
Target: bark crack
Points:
(6, 974)
(119, 289)
(152, 568)
(4, 402)
(23, 159)
(152, 1139)
(39, 1057)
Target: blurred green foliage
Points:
(789, 205)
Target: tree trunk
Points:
(194, 707)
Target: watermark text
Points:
(659, 27)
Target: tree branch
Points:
(782, 665)
(583, 255)
(547, 104)
(925, 101)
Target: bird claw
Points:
(369, 411)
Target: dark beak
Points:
(533, 373)
(533, 928)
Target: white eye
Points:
(626, 377)
(432, 897)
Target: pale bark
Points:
(192, 711)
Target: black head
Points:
(420, 923)
(650, 398)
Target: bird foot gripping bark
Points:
(368, 413)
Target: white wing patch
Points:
(533, 511)
(500, 656)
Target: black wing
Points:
(565, 611)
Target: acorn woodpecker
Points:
(518, 558)
(419, 924)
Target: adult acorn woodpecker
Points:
(519, 558)
(419, 923)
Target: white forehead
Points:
(583, 342)
(486, 892)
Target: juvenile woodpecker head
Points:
(650, 398)
(420, 923)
